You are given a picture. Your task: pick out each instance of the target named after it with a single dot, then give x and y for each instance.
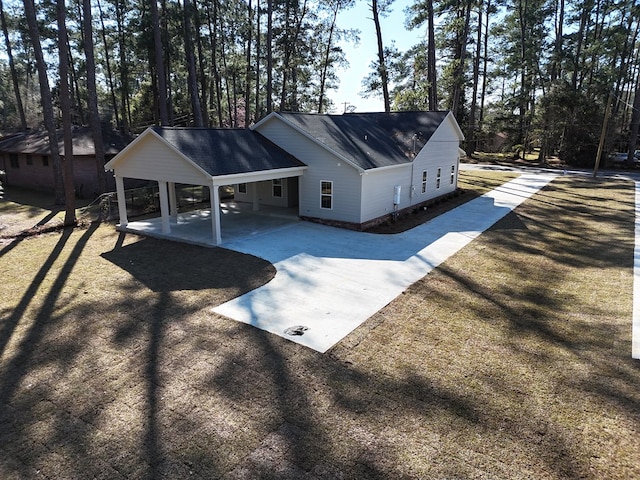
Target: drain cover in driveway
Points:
(296, 331)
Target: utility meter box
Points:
(396, 194)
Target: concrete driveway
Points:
(330, 280)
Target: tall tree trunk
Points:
(269, 88)
(431, 58)
(14, 73)
(461, 51)
(289, 65)
(65, 104)
(485, 66)
(327, 53)
(213, 37)
(107, 61)
(159, 65)
(247, 75)
(191, 67)
(164, 38)
(223, 56)
(258, 110)
(47, 102)
(584, 18)
(94, 115)
(202, 76)
(382, 66)
(524, 87)
(288, 47)
(634, 128)
(556, 63)
(471, 129)
(74, 87)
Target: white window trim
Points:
(425, 177)
(438, 178)
(323, 195)
(274, 184)
(453, 174)
(242, 188)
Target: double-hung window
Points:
(453, 174)
(326, 194)
(424, 181)
(242, 188)
(438, 178)
(276, 187)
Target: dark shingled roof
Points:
(223, 151)
(37, 142)
(371, 140)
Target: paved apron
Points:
(330, 280)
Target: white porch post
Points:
(164, 207)
(122, 201)
(254, 196)
(173, 204)
(215, 213)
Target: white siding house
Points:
(351, 169)
(370, 161)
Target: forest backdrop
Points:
(535, 74)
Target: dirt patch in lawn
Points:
(26, 213)
(511, 360)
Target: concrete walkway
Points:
(330, 280)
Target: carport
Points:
(237, 220)
(197, 156)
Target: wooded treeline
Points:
(518, 74)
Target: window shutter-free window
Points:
(276, 185)
(424, 181)
(326, 194)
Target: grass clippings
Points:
(510, 360)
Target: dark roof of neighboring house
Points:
(37, 142)
(371, 140)
(223, 151)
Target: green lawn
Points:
(511, 360)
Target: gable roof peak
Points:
(370, 139)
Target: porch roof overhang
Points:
(261, 176)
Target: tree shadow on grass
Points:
(30, 348)
(164, 266)
(18, 312)
(168, 391)
(77, 363)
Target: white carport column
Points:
(173, 204)
(215, 213)
(254, 196)
(122, 201)
(164, 207)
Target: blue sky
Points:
(360, 56)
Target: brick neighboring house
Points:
(25, 159)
